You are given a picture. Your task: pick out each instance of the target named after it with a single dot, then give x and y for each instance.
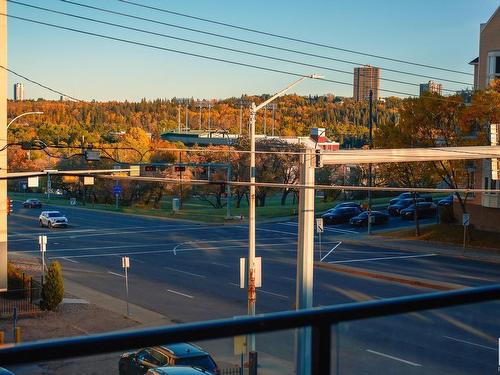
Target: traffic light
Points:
(9, 206)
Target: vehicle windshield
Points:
(203, 362)
(55, 214)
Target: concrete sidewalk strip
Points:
(386, 276)
(117, 305)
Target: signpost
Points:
(465, 223)
(42, 241)
(319, 229)
(126, 265)
(117, 190)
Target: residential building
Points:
(18, 91)
(484, 208)
(431, 86)
(366, 78)
(487, 65)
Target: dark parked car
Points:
(401, 204)
(32, 203)
(447, 201)
(407, 195)
(177, 370)
(362, 218)
(182, 354)
(347, 204)
(340, 215)
(424, 209)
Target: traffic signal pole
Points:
(3, 153)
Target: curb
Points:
(406, 280)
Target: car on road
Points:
(346, 204)
(32, 203)
(52, 219)
(181, 354)
(447, 201)
(424, 210)
(362, 218)
(340, 215)
(401, 204)
(177, 370)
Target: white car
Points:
(52, 219)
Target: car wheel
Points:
(50, 225)
(122, 369)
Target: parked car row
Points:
(404, 205)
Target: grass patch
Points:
(449, 233)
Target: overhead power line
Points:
(189, 53)
(294, 39)
(208, 44)
(260, 44)
(40, 84)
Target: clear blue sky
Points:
(442, 33)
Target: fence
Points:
(23, 299)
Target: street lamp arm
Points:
(262, 105)
(23, 114)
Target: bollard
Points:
(18, 335)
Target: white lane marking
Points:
(115, 274)
(269, 230)
(179, 293)
(238, 285)
(221, 265)
(185, 272)
(470, 343)
(287, 278)
(132, 259)
(70, 260)
(395, 358)
(383, 258)
(271, 293)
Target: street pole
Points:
(179, 118)
(42, 241)
(228, 192)
(3, 153)
(370, 166)
(274, 108)
(126, 265)
(241, 115)
(305, 259)
(49, 186)
(251, 206)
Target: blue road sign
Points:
(117, 189)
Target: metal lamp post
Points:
(24, 114)
(251, 213)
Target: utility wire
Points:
(207, 44)
(38, 83)
(292, 39)
(188, 53)
(258, 43)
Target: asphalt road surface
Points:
(190, 272)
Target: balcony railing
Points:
(319, 319)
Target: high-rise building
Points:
(18, 91)
(366, 78)
(431, 86)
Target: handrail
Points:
(318, 318)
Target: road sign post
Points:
(319, 229)
(126, 265)
(42, 241)
(465, 223)
(117, 190)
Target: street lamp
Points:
(24, 114)
(251, 208)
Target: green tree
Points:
(53, 287)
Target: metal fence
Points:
(319, 319)
(24, 300)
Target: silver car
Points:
(53, 219)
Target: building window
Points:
(493, 67)
(486, 183)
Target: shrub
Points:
(17, 283)
(53, 287)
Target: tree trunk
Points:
(284, 195)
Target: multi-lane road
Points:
(190, 272)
